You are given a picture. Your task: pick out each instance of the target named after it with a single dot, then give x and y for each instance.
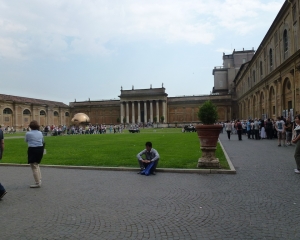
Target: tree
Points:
(155, 119)
(162, 118)
(208, 113)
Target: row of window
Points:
(271, 58)
(27, 112)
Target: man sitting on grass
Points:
(150, 155)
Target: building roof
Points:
(143, 92)
(10, 98)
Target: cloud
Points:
(245, 16)
(59, 28)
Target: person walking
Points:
(269, 129)
(288, 131)
(2, 189)
(297, 142)
(256, 129)
(228, 128)
(252, 129)
(279, 126)
(249, 128)
(35, 141)
(262, 130)
(239, 129)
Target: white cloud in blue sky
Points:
(61, 50)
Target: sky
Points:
(62, 50)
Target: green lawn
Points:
(176, 149)
(16, 134)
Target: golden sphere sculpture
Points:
(80, 118)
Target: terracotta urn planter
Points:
(208, 136)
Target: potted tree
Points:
(208, 133)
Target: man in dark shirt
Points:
(2, 189)
(150, 155)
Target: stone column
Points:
(151, 111)
(145, 112)
(122, 112)
(139, 112)
(14, 116)
(133, 113)
(127, 112)
(164, 110)
(157, 110)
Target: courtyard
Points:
(261, 201)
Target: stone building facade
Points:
(269, 84)
(19, 111)
(150, 105)
(224, 75)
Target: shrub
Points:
(207, 113)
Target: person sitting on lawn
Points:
(150, 155)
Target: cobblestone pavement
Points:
(261, 201)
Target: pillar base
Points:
(208, 158)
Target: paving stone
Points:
(261, 201)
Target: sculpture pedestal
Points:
(208, 158)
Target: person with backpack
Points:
(2, 189)
(148, 157)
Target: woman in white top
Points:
(35, 141)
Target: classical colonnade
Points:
(143, 111)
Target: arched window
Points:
(7, 111)
(271, 57)
(55, 114)
(42, 113)
(253, 76)
(67, 114)
(26, 112)
(285, 41)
